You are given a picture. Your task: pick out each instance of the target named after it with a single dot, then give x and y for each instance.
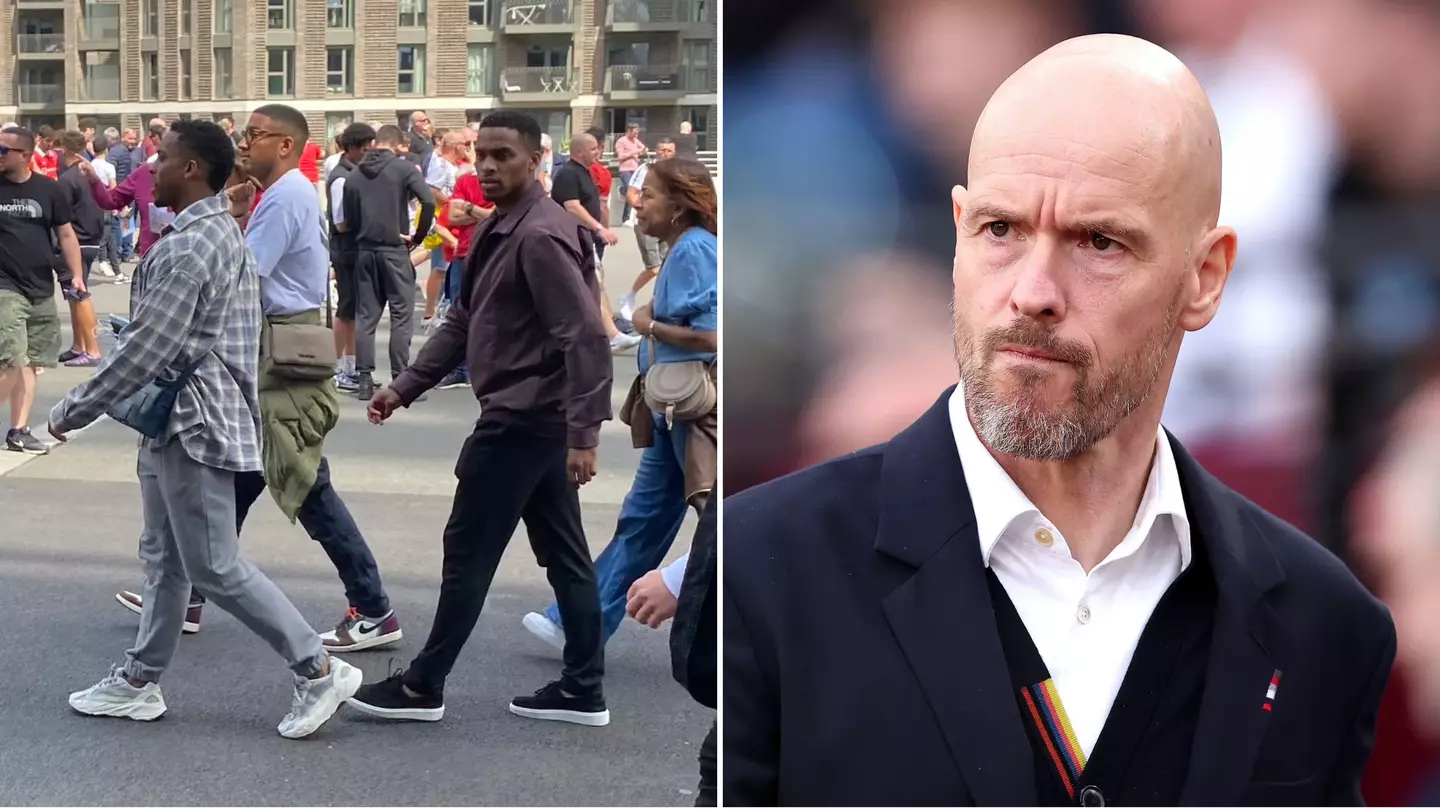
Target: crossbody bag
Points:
(681, 392)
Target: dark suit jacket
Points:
(692, 632)
(863, 666)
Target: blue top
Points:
(287, 236)
(686, 294)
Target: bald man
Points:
(1033, 595)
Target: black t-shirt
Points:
(574, 182)
(89, 220)
(29, 214)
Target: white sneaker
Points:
(545, 630)
(622, 342)
(317, 699)
(104, 269)
(627, 307)
(115, 697)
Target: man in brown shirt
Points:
(528, 323)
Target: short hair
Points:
(414, 113)
(88, 123)
(664, 141)
(101, 144)
(356, 136)
(24, 136)
(131, 131)
(598, 133)
(112, 133)
(289, 117)
(389, 135)
(225, 118)
(71, 141)
(157, 127)
(515, 121)
(207, 143)
(46, 131)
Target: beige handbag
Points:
(681, 392)
(295, 351)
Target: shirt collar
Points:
(998, 501)
(204, 207)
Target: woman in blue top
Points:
(679, 206)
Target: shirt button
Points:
(1044, 537)
(1082, 614)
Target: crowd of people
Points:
(227, 370)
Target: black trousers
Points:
(328, 522)
(505, 476)
(384, 277)
(706, 796)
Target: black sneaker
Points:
(387, 699)
(551, 703)
(364, 387)
(455, 379)
(21, 440)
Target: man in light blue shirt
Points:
(287, 237)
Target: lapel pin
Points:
(1270, 693)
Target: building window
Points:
(699, 118)
(482, 12)
(102, 20)
(150, 10)
(150, 76)
(224, 21)
(411, 76)
(278, 17)
(102, 75)
(339, 71)
(187, 76)
(224, 75)
(335, 123)
(697, 67)
(185, 18)
(547, 56)
(481, 66)
(412, 13)
(280, 73)
(340, 13)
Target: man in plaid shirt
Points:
(197, 305)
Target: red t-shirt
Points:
(603, 180)
(310, 162)
(46, 163)
(467, 188)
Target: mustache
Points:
(1034, 335)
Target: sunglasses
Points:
(5, 150)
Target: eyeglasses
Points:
(253, 135)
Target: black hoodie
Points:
(377, 200)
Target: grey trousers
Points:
(190, 537)
(384, 278)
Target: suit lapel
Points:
(1246, 647)
(942, 615)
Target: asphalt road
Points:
(68, 542)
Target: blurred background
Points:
(1316, 391)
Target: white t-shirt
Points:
(104, 171)
(329, 166)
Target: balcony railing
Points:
(100, 89)
(550, 80)
(41, 93)
(101, 26)
(524, 13)
(645, 78)
(40, 43)
(643, 12)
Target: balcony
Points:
(537, 17)
(100, 27)
(664, 83)
(646, 16)
(44, 46)
(39, 95)
(544, 85)
(57, 5)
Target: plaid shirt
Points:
(197, 296)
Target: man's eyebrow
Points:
(1118, 229)
(985, 211)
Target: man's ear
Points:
(1216, 259)
(958, 197)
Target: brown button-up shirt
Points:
(528, 323)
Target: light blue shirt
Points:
(686, 294)
(287, 236)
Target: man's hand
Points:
(580, 465)
(60, 437)
(608, 236)
(78, 284)
(650, 602)
(86, 169)
(241, 197)
(384, 403)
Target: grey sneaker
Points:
(317, 699)
(21, 440)
(113, 696)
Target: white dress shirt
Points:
(1085, 626)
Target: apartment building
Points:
(571, 63)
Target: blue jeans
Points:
(624, 186)
(649, 522)
(452, 292)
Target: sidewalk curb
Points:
(10, 462)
